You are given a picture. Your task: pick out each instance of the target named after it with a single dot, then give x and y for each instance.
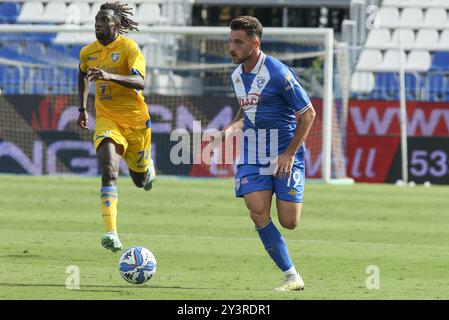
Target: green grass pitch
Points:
(206, 246)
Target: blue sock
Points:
(275, 245)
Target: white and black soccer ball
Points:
(137, 265)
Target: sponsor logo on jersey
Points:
(91, 58)
(249, 100)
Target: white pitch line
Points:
(288, 240)
(202, 237)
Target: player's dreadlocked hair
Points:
(122, 11)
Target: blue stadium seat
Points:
(2, 75)
(58, 53)
(413, 84)
(386, 86)
(440, 61)
(59, 48)
(75, 51)
(9, 12)
(436, 87)
(64, 80)
(215, 59)
(27, 37)
(34, 49)
(40, 37)
(14, 54)
(44, 82)
(10, 80)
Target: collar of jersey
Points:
(258, 65)
(112, 44)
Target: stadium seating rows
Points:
(9, 11)
(421, 28)
(26, 56)
(76, 12)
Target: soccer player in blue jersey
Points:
(271, 100)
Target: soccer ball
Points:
(137, 265)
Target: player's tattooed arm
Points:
(135, 81)
(83, 93)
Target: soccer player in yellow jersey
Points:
(123, 126)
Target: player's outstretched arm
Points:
(285, 160)
(135, 81)
(83, 93)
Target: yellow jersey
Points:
(123, 105)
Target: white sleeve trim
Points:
(307, 107)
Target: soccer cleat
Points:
(292, 284)
(151, 175)
(111, 242)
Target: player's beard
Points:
(238, 60)
(101, 36)
(104, 34)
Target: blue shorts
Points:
(291, 189)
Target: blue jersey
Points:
(270, 96)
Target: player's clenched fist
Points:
(97, 74)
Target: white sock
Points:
(290, 273)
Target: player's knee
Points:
(256, 214)
(258, 211)
(290, 224)
(260, 217)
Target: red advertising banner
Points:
(373, 134)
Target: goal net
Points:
(188, 91)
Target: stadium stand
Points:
(9, 12)
(25, 57)
(423, 27)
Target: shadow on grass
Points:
(103, 288)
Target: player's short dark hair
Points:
(122, 12)
(249, 24)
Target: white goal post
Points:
(324, 36)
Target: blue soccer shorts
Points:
(291, 189)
